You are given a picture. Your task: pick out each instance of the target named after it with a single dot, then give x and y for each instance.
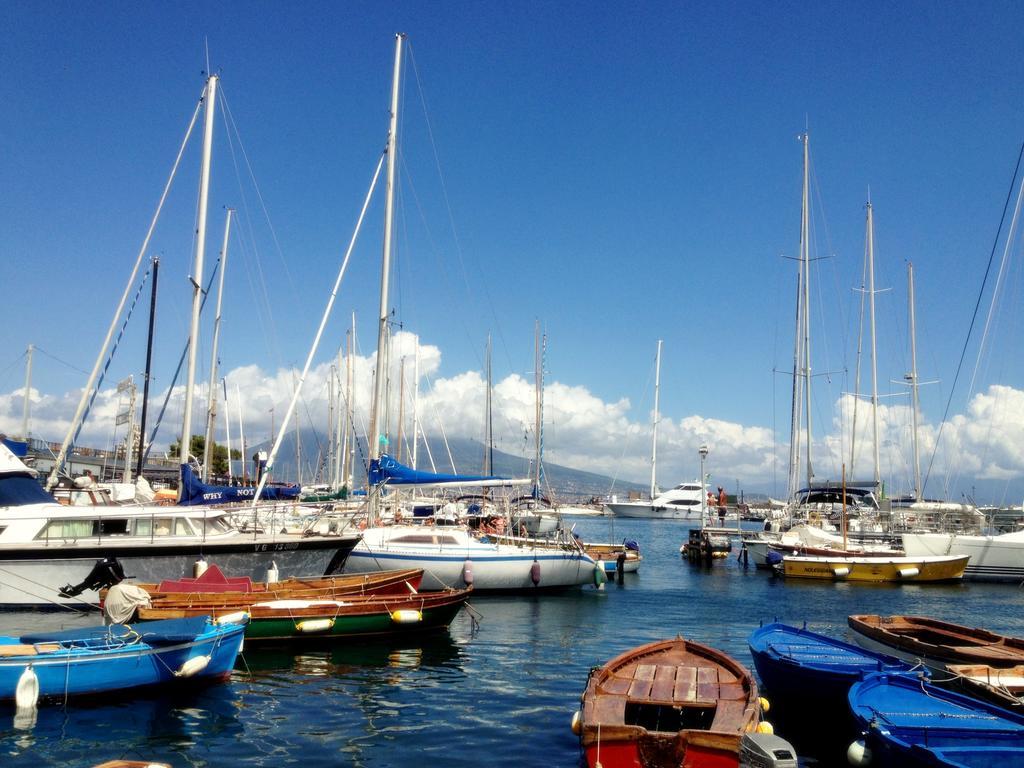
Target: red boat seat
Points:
(212, 580)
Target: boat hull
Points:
(993, 558)
(874, 569)
(76, 672)
(652, 512)
(33, 575)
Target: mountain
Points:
(565, 483)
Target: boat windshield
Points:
(20, 489)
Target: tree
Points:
(219, 459)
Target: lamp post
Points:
(703, 493)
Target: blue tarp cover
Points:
(195, 493)
(152, 632)
(387, 470)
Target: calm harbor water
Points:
(498, 688)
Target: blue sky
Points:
(621, 172)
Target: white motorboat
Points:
(451, 556)
(993, 558)
(680, 503)
(45, 545)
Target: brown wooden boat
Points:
(214, 587)
(667, 703)
(1003, 687)
(936, 643)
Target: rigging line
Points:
(21, 357)
(232, 131)
(974, 317)
(62, 362)
(110, 357)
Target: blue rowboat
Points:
(807, 678)
(118, 657)
(909, 723)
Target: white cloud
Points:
(985, 443)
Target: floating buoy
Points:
(841, 572)
(238, 617)
(858, 754)
(908, 573)
(599, 575)
(26, 694)
(765, 727)
(193, 666)
(765, 704)
(272, 573)
(199, 567)
(535, 573)
(577, 722)
(407, 616)
(309, 626)
(467, 573)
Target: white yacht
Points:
(993, 558)
(45, 545)
(680, 503)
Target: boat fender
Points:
(407, 616)
(272, 573)
(765, 704)
(199, 567)
(192, 666)
(411, 588)
(535, 573)
(773, 557)
(26, 694)
(908, 573)
(238, 617)
(599, 575)
(841, 572)
(467, 573)
(314, 625)
(765, 727)
(858, 754)
(577, 722)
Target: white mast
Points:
(874, 363)
(374, 435)
(227, 426)
(197, 279)
(797, 399)
(654, 422)
(806, 259)
(28, 389)
(416, 404)
(211, 411)
(241, 434)
(912, 378)
(538, 407)
(348, 442)
(401, 409)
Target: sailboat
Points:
(450, 555)
(683, 502)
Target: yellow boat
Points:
(874, 569)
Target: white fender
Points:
(314, 625)
(193, 666)
(27, 692)
(406, 616)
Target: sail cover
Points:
(196, 493)
(387, 470)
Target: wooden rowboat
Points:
(935, 643)
(667, 703)
(214, 586)
(348, 616)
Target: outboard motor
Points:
(106, 573)
(766, 750)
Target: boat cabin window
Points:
(67, 529)
(19, 489)
(154, 526)
(687, 487)
(447, 540)
(684, 503)
(212, 525)
(110, 527)
(414, 538)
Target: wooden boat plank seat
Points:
(21, 649)
(664, 683)
(728, 714)
(996, 652)
(686, 685)
(609, 709)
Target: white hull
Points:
(493, 566)
(647, 510)
(34, 581)
(993, 558)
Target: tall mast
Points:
(416, 404)
(241, 436)
(389, 208)
(401, 409)
(654, 422)
(874, 362)
(538, 380)
(197, 279)
(227, 427)
(27, 391)
(149, 369)
(805, 253)
(348, 441)
(329, 477)
(797, 400)
(488, 423)
(211, 411)
(913, 381)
